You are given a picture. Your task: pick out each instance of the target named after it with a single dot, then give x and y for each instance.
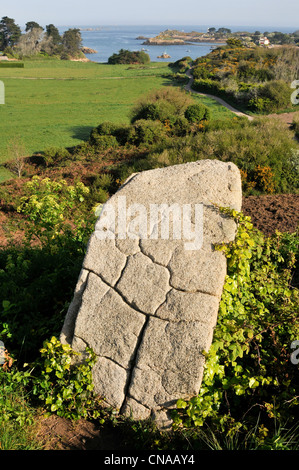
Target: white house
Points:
(264, 41)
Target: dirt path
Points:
(188, 87)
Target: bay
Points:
(107, 40)
(110, 39)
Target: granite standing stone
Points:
(147, 297)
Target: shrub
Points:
(277, 95)
(37, 278)
(54, 156)
(103, 142)
(128, 57)
(261, 105)
(62, 385)
(178, 100)
(182, 64)
(262, 142)
(106, 128)
(49, 206)
(181, 126)
(104, 181)
(161, 110)
(208, 86)
(120, 133)
(146, 132)
(264, 179)
(197, 113)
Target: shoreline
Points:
(170, 43)
(177, 42)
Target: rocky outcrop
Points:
(148, 294)
(88, 50)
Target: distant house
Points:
(264, 41)
(3, 57)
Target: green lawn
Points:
(53, 103)
(56, 103)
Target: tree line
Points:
(37, 40)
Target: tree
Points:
(281, 38)
(16, 152)
(10, 32)
(30, 25)
(224, 31)
(72, 41)
(30, 43)
(53, 32)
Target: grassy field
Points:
(51, 103)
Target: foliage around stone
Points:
(248, 376)
(258, 282)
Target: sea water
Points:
(107, 40)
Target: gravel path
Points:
(216, 98)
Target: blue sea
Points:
(107, 40)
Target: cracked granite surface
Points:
(148, 307)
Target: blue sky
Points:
(156, 12)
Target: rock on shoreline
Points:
(88, 50)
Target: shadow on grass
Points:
(81, 132)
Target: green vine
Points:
(248, 368)
(63, 385)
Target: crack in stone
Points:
(152, 258)
(193, 291)
(104, 357)
(114, 288)
(137, 401)
(133, 362)
(114, 361)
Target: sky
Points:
(272, 13)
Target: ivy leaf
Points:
(182, 404)
(253, 383)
